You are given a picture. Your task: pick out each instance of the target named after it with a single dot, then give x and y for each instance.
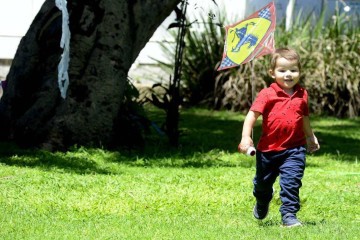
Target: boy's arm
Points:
(246, 140)
(311, 140)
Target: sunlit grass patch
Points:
(203, 190)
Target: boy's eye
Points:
(291, 70)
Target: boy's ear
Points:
(271, 73)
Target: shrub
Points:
(330, 53)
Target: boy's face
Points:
(286, 73)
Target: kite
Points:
(250, 38)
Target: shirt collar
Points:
(278, 89)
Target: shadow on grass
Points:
(199, 134)
(340, 145)
(273, 223)
(205, 134)
(269, 223)
(12, 155)
(205, 140)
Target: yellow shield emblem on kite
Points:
(243, 38)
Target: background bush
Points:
(330, 52)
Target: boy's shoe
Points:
(289, 220)
(260, 211)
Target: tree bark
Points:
(106, 38)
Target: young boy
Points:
(285, 132)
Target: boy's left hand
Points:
(312, 144)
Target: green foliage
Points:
(203, 45)
(330, 57)
(201, 56)
(200, 191)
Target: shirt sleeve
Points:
(260, 102)
(306, 104)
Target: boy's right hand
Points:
(244, 144)
(312, 144)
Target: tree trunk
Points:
(106, 38)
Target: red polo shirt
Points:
(282, 125)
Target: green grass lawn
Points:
(203, 190)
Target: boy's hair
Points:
(287, 53)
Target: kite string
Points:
(63, 77)
(252, 89)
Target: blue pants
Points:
(290, 165)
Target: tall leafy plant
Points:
(331, 57)
(203, 49)
(330, 51)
